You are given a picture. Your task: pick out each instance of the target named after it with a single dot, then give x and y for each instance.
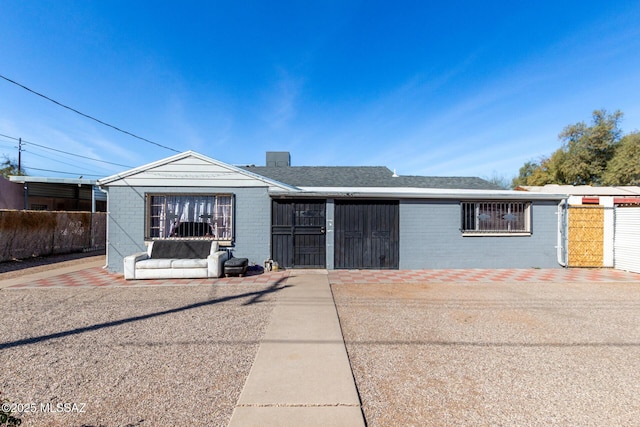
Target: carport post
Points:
(330, 234)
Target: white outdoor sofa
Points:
(176, 259)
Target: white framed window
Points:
(495, 218)
(192, 216)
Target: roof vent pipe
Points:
(395, 175)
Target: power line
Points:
(64, 152)
(60, 161)
(68, 173)
(86, 115)
(76, 155)
(9, 137)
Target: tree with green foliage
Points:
(624, 166)
(10, 167)
(592, 154)
(546, 171)
(588, 149)
(525, 173)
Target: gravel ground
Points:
(130, 357)
(494, 354)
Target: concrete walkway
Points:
(301, 374)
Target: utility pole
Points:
(19, 155)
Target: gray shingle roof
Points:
(363, 176)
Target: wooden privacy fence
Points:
(586, 236)
(24, 234)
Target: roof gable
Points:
(190, 169)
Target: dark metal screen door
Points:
(298, 233)
(367, 235)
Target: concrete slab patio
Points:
(91, 274)
(33, 276)
(471, 275)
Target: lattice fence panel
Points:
(586, 236)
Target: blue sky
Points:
(426, 88)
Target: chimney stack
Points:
(277, 159)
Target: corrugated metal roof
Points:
(67, 188)
(51, 180)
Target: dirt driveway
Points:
(494, 353)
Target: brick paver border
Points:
(99, 277)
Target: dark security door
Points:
(298, 233)
(367, 235)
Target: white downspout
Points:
(562, 211)
(608, 235)
(106, 240)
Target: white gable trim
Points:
(191, 169)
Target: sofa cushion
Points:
(189, 263)
(181, 249)
(154, 263)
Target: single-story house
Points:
(330, 217)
